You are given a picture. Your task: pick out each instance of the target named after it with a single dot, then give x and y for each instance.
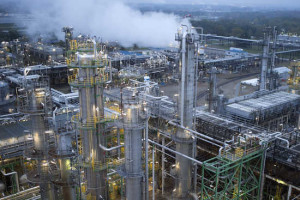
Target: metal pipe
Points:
(289, 192)
(153, 172)
(264, 66)
(163, 167)
(194, 196)
(273, 59)
(284, 140)
(110, 70)
(201, 34)
(183, 51)
(196, 87)
(197, 133)
(95, 47)
(111, 148)
(146, 160)
(195, 166)
(176, 152)
(34, 190)
(220, 150)
(112, 173)
(16, 178)
(118, 141)
(262, 182)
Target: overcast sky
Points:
(291, 4)
(271, 3)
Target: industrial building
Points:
(95, 124)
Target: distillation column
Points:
(133, 122)
(184, 141)
(34, 99)
(89, 80)
(264, 62)
(64, 153)
(212, 89)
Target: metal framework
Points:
(35, 99)
(233, 175)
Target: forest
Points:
(251, 24)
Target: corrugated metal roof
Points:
(14, 129)
(267, 102)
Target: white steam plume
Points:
(109, 19)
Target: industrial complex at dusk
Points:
(140, 111)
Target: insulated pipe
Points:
(220, 150)
(111, 148)
(201, 34)
(183, 51)
(284, 140)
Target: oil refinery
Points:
(88, 119)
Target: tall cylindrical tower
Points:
(34, 99)
(183, 139)
(64, 153)
(89, 76)
(264, 62)
(133, 122)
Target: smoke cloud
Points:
(109, 19)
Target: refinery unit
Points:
(92, 121)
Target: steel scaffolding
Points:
(236, 174)
(34, 99)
